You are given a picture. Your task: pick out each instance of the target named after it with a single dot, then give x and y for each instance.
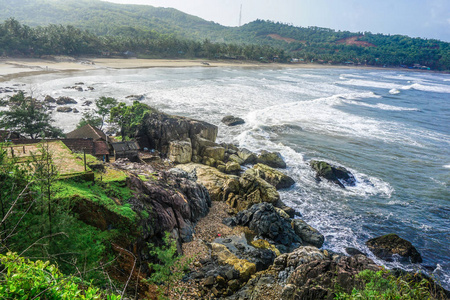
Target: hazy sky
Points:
(416, 18)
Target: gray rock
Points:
(180, 152)
(65, 100)
(308, 234)
(232, 121)
(264, 220)
(338, 175)
(64, 109)
(387, 245)
(247, 156)
(272, 159)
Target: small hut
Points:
(127, 149)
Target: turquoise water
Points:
(390, 128)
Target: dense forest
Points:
(89, 27)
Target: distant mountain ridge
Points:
(309, 44)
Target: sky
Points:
(415, 18)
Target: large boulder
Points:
(388, 245)
(232, 121)
(339, 175)
(180, 152)
(249, 190)
(308, 234)
(157, 130)
(272, 176)
(225, 256)
(239, 193)
(64, 109)
(239, 246)
(247, 156)
(217, 153)
(265, 221)
(271, 159)
(63, 100)
(210, 177)
(49, 99)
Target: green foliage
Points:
(151, 32)
(104, 105)
(383, 285)
(25, 279)
(29, 117)
(101, 113)
(170, 269)
(129, 117)
(90, 118)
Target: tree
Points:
(128, 117)
(170, 268)
(104, 105)
(29, 117)
(91, 119)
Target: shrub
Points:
(383, 285)
(25, 279)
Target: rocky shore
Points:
(221, 203)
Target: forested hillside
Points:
(166, 32)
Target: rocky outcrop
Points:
(49, 99)
(318, 279)
(271, 159)
(240, 193)
(64, 109)
(265, 221)
(65, 100)
(136, 97)
(388, 245)
(272, 176)
(157, 130)
(247, 157)
(210, 177)
(338, 175)
(258, 258)
(232, 121)
(172, 200)
(248, 190)
(180, 152)
(308, 234)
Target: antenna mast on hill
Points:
(240, 16)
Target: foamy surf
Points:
(394, 92)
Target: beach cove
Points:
(389, 127)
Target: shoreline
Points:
(12, 68)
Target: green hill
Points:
(137, 27)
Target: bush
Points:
(25, 279)
(383, 285)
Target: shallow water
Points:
(390, 128)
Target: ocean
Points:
(390, 128)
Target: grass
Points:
(111, 175)
(111, 195)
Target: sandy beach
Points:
(11, 68)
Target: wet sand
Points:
(11, 68)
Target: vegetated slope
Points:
(106, 18)
(311, 43)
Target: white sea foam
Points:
(382, 106)
(436, 88)
(446, 166)
(394, 92)
(371, 83)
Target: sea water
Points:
(391, 129)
